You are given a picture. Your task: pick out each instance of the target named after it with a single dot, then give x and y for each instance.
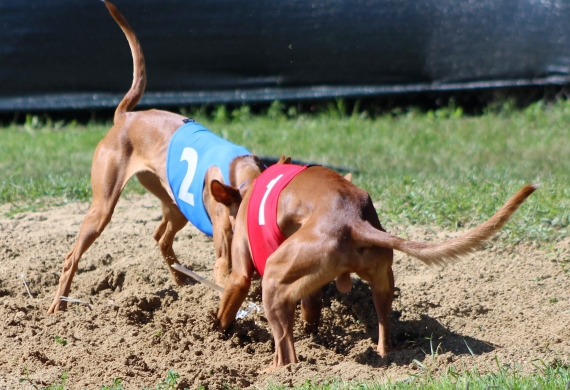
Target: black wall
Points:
(60, 54)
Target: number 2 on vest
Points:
(191, 156)
(262, 204)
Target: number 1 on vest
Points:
(191, 156)
(270, 186)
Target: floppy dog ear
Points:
(225, 194)
(284, 160)
(348, 177)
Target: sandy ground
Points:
(510, 303)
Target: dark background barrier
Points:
(63, 54)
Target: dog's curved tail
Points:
(134, 95)
(448, 251)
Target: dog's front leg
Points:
(279, 309)
(173, 221)
(235, 292)
(237, 284)
(222, 247)
(220, 205)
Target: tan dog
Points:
(331, 230)
(137, 144)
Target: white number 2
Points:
(191, 156)
(262, 205)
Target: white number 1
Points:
(191, 156)
(262, 205)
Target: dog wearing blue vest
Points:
(173, 157)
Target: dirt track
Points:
(509, 302)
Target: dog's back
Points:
(320, 196)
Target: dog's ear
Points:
(348, 177)
(225, 194)
(284, 160)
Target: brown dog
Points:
(330, 230)
(137, 144)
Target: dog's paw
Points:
(57, 306)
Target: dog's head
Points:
(228, 196)
(222, 203)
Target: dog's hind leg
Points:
(109, 174)
(172, 222)
(381, 279)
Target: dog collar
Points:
(244, 183)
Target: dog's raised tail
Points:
(451, 250)
(134, 95)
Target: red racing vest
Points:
(262, 229)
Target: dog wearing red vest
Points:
(329, 229)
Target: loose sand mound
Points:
(506, 302)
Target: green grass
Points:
(41, 165)
(438, 168)
(435, 169)
(504, 377)
(546, 376)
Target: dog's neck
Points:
(245, 169)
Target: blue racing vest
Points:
(192, 150)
